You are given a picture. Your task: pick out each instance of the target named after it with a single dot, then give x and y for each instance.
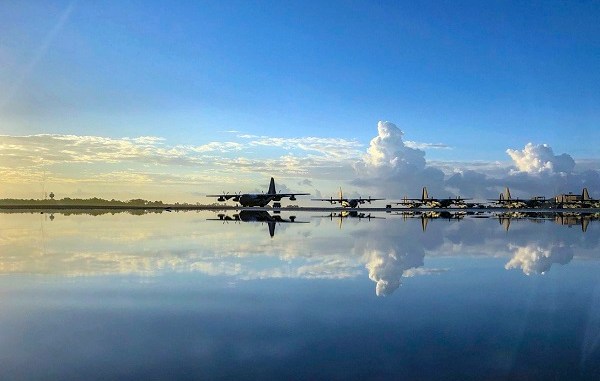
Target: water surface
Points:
(198, 295)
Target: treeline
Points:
(95, 201)
(81, 211)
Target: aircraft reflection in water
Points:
(347, 202)
(564, 219)
(258, 216)
(568, 219)
(432, 215)
(258, 199)
(350, 214)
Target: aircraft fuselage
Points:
(352, 203)
(255, 199)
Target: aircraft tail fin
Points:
(424, 194)
(272, 187)
(341, 194)
(584, 224)
(507, 194)
(271, 228)
(505, 222)
(585, 195)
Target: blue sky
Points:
(477, 77)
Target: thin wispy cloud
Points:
(330, 147)
(45, 149)
(426, 146)
(217, 147)
(389, 166)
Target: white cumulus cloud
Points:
(391, 165)
(540, 158)
(389, 153)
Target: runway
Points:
(61, 208)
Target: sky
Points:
(172, 101)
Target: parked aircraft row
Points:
(505, 200)
(569, 200)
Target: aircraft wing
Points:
(332, 200)
(223, 196)
(224, 217)
(291, 196)
(363, 200)
(410, 201)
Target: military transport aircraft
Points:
(576, 201)
(257, 216)
(257, 199)
(505, 200)
(347, 202)
(431, 202)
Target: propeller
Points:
(223, 197)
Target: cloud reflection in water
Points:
(388, 249)
(534, 259)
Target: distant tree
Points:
(51, 196)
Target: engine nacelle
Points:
(292, 198)
(221, 199)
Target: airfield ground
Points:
(62, 208)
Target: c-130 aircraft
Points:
(258, 199)
(347, 202)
